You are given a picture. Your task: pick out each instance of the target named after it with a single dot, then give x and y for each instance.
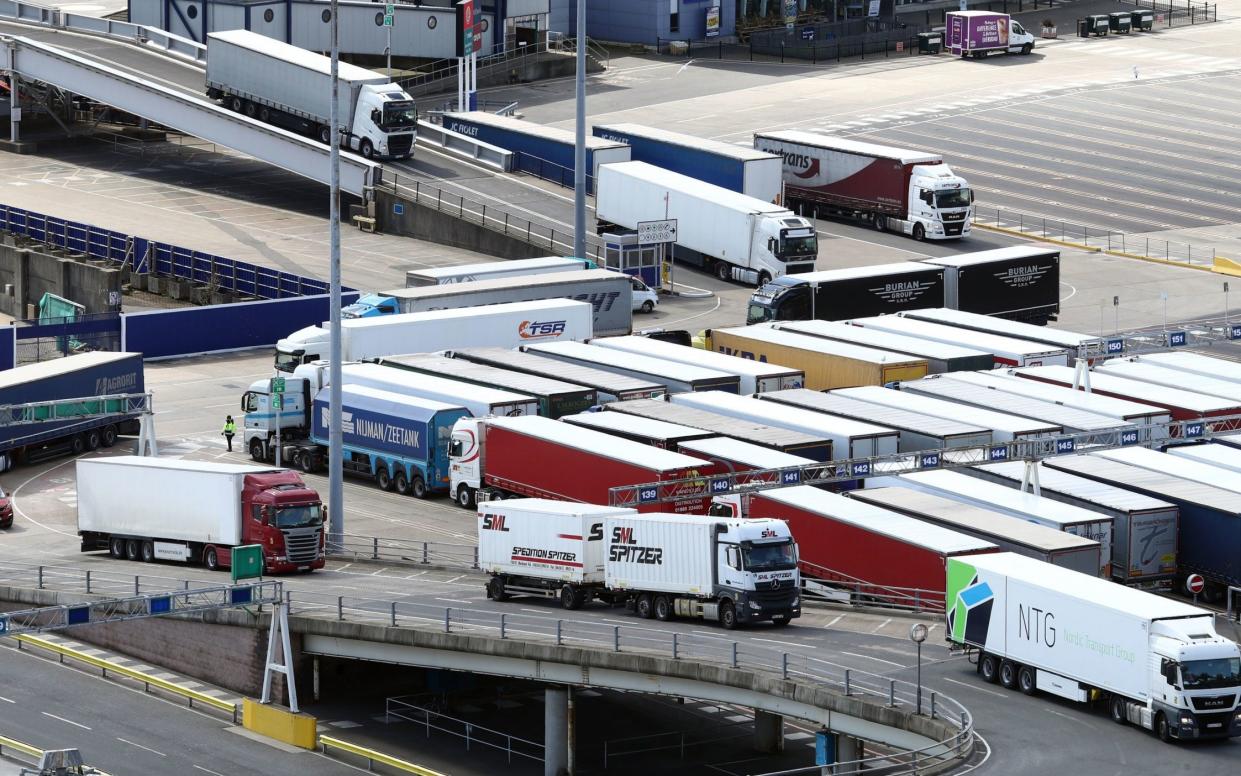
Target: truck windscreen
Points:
(400, 115)
(287, 362)
(299, 516)
(953, 198)
(800, 246)
(769, 557)
(1211, 674)
(757, 313)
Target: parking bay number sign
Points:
(652, 232)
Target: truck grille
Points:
(954, 217)
(952, 229)
(1214, 723)
(1213, 702)
(399, 145)
(302, 546)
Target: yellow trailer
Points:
(828, 364)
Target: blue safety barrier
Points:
(8, 347)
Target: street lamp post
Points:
(579, 154)
(336, 496)
(917, 634)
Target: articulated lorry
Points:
(1157, 663)
(940, 356)
(291, 87)
(907, 191)
(144, 508)
(500, 326)
(399, 441)
(1020, 283)
(738, 237)
(496, 458)
(80, 376)
(662, 566)
(851, 292)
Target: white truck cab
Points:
(940, 201)
(1020, 41)
(385, 122)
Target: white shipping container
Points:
(1197, 363)
(165, 498)
(1223, 456)
(1137, 390)
(755, 376)
(545, 539)
(677, 376)
(1004, 427)
(1008, 351)
(1070, 419)
(1061, 338)
(465, 273)
(726, 451)
(1175, 466)
(940, 356)
(480, 400)
(1171, 377)
(661, 553)
(850, 438)
(1122, 409)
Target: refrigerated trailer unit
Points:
(647, 431)
(1019, 282)
(1209, 527)
(734, 167)
(1175, 465)
(827, 364)
(915, 431)
(1060, 338)
(1007, 350)
(1071, 419)
(1217, 454)
(961, 487)
(796, 442)
(868, 550)
(754, 376)
(1171, 376)
(547, 152)
(496, 458)
(1003, 427)
(734, 456)
(489, 270)
(678, 377)
(608, 386)
(1006, 532)
(850, 438)
(940, 357)
(556, 398)
(1156, 662)
(1180, 404)
(1196, 363)
(1144, 529)
(849, 292)
(907, 191)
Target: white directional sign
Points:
(651, 232)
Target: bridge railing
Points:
(43, 16)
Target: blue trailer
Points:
(739, 168)
(1209, 532)
(81, 376)
(401, 441)
(540, 150)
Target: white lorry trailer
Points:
(499, 325)
(490, 270)
(290, 87)
(1158, 662)
(741, 238)
(733, 571)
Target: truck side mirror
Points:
(375, 116)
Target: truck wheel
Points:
(728, 615)
(495, 589)
(663, 608)
(723, 270)
(465, 496)
(401, 483)
(131, 549)
(1026, 49)
(417, 487)
(919, 232)
(1161, 728)
(325, 135)
(648, 307)
(109, 435)
(763, 279)
(1026, 680)
(211, 559)
(148, 552)
(252, 110)
(880, 222)
(989, 667)
(643, 606)
(78, 444)
(256, 450)
(265, 114)
(1117, 710)
(93, 439)
(571, 598)
(382, 479)
(116, 548)
(368, 150)
(1008, 674)
(237, 104)
(306, 461)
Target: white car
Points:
(645, 298)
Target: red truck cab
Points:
(286, 518)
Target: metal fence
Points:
(470, 733)
(1095, 237)
(837, 586)
(692, 647)
(463, 556)
(896, 43)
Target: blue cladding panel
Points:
(694, 162)
(8, 348)
(185, 331)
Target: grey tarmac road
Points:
(127, 732)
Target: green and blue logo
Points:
(969, 601)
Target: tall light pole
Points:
(917, 634)
(335, 466)
(579, 152)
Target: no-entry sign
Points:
(1194, 583)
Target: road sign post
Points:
(277, 406)
(389, 23)
(1195, 584)
(662, 233)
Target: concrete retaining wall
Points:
(35, 272)
(427, 223)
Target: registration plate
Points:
(303, 568)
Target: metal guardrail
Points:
(19, 746)
(549, 238)
(860, 591)
(462, 145)
(473, 734)
(373, 756)
(691, 647)
(405, 551)
(148, 681)
(507, 54)
(1093, 238)
(138, 34)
